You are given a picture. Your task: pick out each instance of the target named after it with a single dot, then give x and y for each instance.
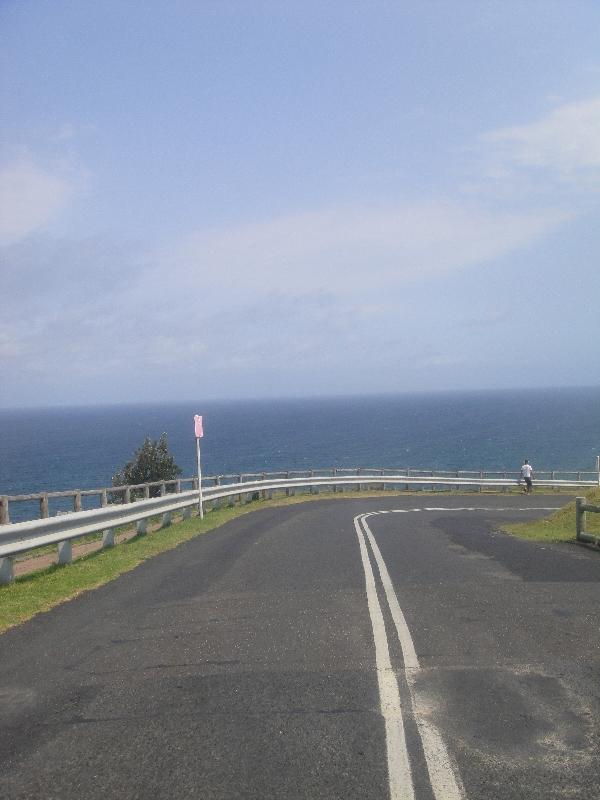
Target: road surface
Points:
(320, 650)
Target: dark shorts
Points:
(528, 482)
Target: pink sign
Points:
(198, 427)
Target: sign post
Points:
(199, 433)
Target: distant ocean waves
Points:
(54, 449)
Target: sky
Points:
(249, 198)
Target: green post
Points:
(579, 516)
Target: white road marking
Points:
(399, 774)
(465, 508)
(443, 775)
(483, 508)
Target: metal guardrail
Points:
(21, 537)
(107, 495)
(581, 509)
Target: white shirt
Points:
(526, 470)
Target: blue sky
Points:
(240, 199)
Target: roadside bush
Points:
(152, 462)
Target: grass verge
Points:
(560, 525)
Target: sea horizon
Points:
(301, 397)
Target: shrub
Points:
(152, 462)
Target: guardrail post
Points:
(108, 538)
(264, 491)
(481, 476)
(311, 474)
(163, 489)
(287, 490)
(127, 495)
(358, 486)
(147, 491)
(166, 519)
(383, 484)
(44, 513)
(334, 473)
(65, 552)
(6, 570)
(178, 487)
(103, 498)
(77, 501)
(141, 527)
(4, 516)
(579, 516)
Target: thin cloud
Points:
(30, 198)
(565, 142)
(486, 320)
(351, 247)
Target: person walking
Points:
(526, 474)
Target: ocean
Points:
(80, 448)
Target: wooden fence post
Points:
(4, 515)
(44, 511)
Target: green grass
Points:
(560, 525)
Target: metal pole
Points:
(200, 509)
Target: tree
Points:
(152, 462)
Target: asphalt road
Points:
(300, 653)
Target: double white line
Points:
(444, 780)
